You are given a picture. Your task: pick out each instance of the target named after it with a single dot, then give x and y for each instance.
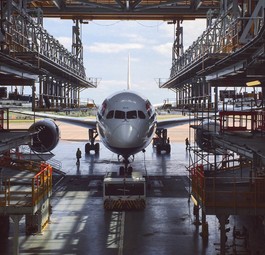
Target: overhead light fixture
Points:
(253, 83)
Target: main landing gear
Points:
(92, 146)
(161, 141)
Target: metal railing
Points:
(22, 34)
(228, 192)
(30, 191)
(226, 35)
(242, 121)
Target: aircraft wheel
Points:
(88, 148)
(130, 169)
(97, 148)
(168, 148)
(158, 149)
(122, 170)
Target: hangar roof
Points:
(125, 9)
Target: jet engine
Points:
(204, 132)
(47, 136)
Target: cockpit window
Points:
(125, 115)
(110, 115)
(141, 115)
(131, 115)
(119, 115)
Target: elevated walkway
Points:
(39, 52)
(221, 54)
(28, 53)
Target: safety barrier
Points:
(42, 183)
(227, 192)
(136, 204)
(30, 191)
(242, 121)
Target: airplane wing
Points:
(169, 123)
(82, 122)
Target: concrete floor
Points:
(80, 225)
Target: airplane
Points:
(125, 123)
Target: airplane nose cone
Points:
(126, 136)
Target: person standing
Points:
(187, 143)
(78, 156)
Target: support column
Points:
(223, 220)
(196, 213)
(205, 229)
(40, 103)
(4, 226)
(33, 103)
(177, 99)
(16, 219)
(1, 179)
(178, 48)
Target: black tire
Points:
(97, 148)
(130, 169)
(122, 170)
(87, 148)
(168, 148)
(158, 149)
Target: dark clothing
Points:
(78, 155)
(187, 143)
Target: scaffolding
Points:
(227, 164)
(34, 54)
(220, 56)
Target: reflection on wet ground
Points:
(150, 162)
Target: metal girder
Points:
(148, 13)
(59, 3)
(125, 9)
(36, 52)
(220, 53)
(6, 80)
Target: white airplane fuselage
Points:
(126, 123)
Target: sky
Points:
(107, 44)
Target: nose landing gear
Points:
(126, 170)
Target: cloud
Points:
(192, 29)
(113, 47)
(138, 38)
(163, 49)
(66, 42)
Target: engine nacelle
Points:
(47, 137)
(204, 132)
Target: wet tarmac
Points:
(80, 225)
(92, 164)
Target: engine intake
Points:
(47, 136)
